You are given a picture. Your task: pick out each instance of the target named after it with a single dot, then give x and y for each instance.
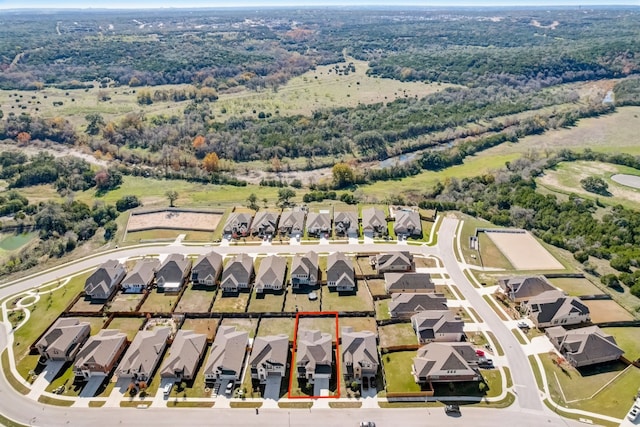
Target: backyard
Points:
(196, 300)
(128, 325)
(266, 301)
(231, 303)
(247, 325)
(336, 301)
(202, 326)
(299, 301)
(397, 369)
(122, 302)
(397, 334)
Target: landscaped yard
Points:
(231, 303)
(576, 287)
(296, 301)
(376, 286)
(266, 302)
(335, 301)
(397, 334)
(128, 325)
(159, 302)
(275, 326)
(195, 300)
(397, 369)
(202, 326)
(122, 302)
(248, 325)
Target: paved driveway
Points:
(91, 387)
(321, 387)
(46, 377)
(272, 388)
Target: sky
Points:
(146, 4)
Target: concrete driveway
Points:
(46, 377)
(92, 386)
(272, 387)
(321, 387)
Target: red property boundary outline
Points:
(294, 351)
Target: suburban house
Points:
(314, 355)
(99, 354)
(445, 362)
(305, 270)
(392, 261)
(403, 306)
(359, 357)
(103, 283)
(345, 223)
(554, 308)
(227, 355)
(173, 273)
(238, 224)
(265, 223)
(140, 277)
(144, 354)
(63, 339)
(437, 325)
(419, 283)
(523, 288)
(237, 274)
(584, 346)
(269, 357)
(374, 222)
(340, 273)
(291, 223)
(184, 355)
(318, 223)
(207, 269)
(407, 223)
(271, 274)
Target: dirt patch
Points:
(180, 220)
(551, 26)
(606, 311)
(202, 326)
(523, 251)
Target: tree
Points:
(343, 175)
(110, 229)
(284, 195)
(95, 122)
(108, 180)
(23, 137)
(594, 184)
(127, 202)
(198, 141)
(253, 202)
(211, 162)
(172, 195)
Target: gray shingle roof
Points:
(428, 324)
(238, 270)
(418, 282)
(313, 349)
(271, 273)
(525, 287)
(184, 354)
(174, 269)
(142, 273)
(340, 269)
(63, 335)
(101, 349)
(372, 219)
(445, 359)
(104, 280)
(359, 348)
(270, 350)
(144, 353)
(207, 267)
(407, 304)
(407, 222)
(227, 351)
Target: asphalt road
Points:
(528, 410)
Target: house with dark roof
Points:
(173, 273)
(554, 308)
(63, 339)
(264, 224)
(340, 272)
(392, 261)
(318, 223)
(207, 269)
(584, 346)
(359, 357)
(103, 283)
(144, 354)
(271, 274)
(314, 355)
(238, 224)
(269, 357)
(523, 288)
(437, 325)
(345, 223)
(407, 223)
(237, 274)
(374, 222)
(403, 306)
(184, 356)
(291, 223)
(445, 362)
(141, 276)
(99, 354)
(305, 270)
(227, 355)
(418, 283)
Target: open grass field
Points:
(489, 255)
(576, 287)
(627, 339)
(266, 302)
(300, 301)
(275, 326)
(397, 334)
(231, 303)
(159, 302)
(122, 302)
(202, 326)
(606, 311)
(195, 300)
(334, 301)
(397, 369)
(128, 325)
(249, 325)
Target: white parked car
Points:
(633, 413)
(229, 388)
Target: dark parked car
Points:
(452, 409)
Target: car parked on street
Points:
(452, 409)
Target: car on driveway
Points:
(229, 389)
(523, 325)
(452, 409)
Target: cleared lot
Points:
(523, 251)
(606, 311)
(174, 219)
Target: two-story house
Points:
(314, 355)
(359, 357)
(237, 274)
(305, 270)
(207, 269)
(269, 357)
(227, 355)
(173, 273)
(141, 277)
(271, 274)
(340, 273)
(99, 354)
(63, 339)
(103, 283)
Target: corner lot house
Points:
(173, 273)
(100, 354)
(140, 277)
(523, 288)
(359, 357)
(305, 270)
(227, 355)
(374, 222)
(144, 354)
(346, 223)
(184, 355)
(417, 283)
(403, 306)
(63, 340)
(393, 261)
(237, 225)
(237, 274)
(291, 223)
(314, 355)
(407, 223)
(271, 274)
(437, 325)
(445, 362)
(318, 223)
(264, 224)
(340, 273)
(103, 283)
(207, 269)
(584, 346)
(269, 357)
(553, 308)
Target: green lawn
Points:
(397, 369)
(195, 387)
(96, 323)
(323, 324)
(275, 326)
(159, 302)
(122, 302)
(300, 301)
(576, 287)
(65, 378)
(627, 339)
(397, 334)
(382, 309)
(335, 301)
(128, 325)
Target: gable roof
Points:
(237, 219)
(339, 268)
(525, 287)
(207, 265)
(145, 351)
(391, 260)
(440, 359)
(555, 304)
(373, 218)
(185, 352)
(63, 335)
(142, 273)
(318, 220)
(101, 349)
(407, 220)
(270, 350)
(102, 280)
(590, 343)
(411, 303)
(271, 272)
(408, 281)
(305, 264)
(265, 220)
(345, 221)
(238, 270)
(227, 351)
(292, 219)
(174, 268)
(359, 348)
(428, 324)
(313, 349)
